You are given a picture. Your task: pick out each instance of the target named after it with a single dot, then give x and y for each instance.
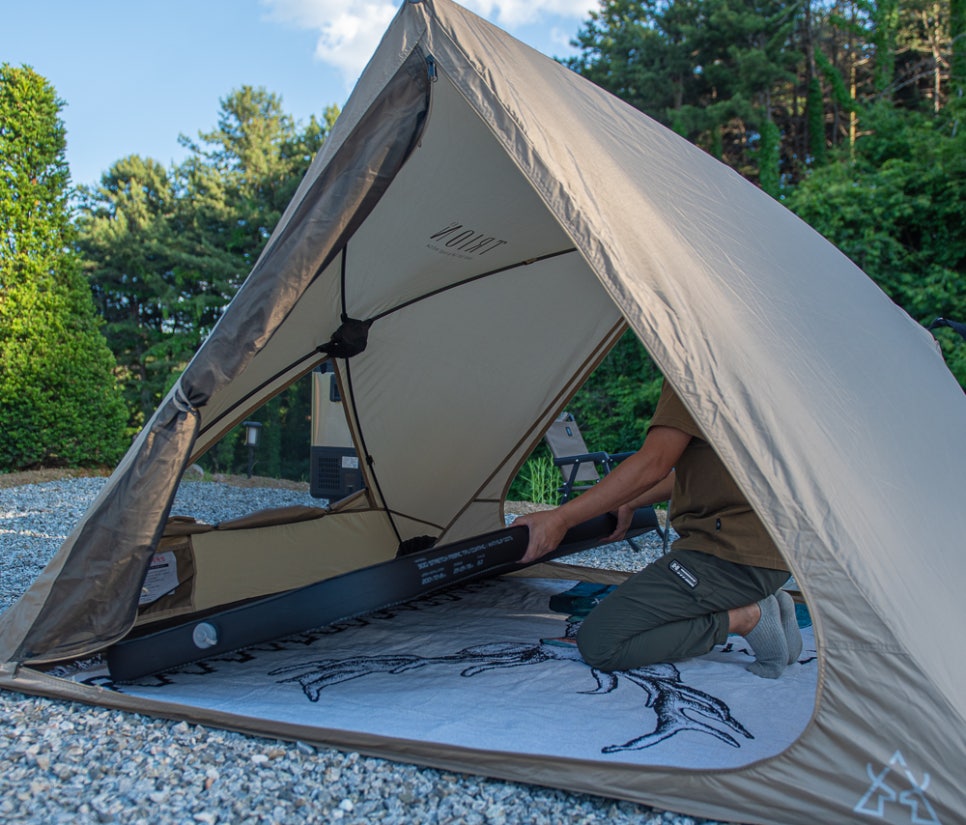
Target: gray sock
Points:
(767, 639)
(793, 635)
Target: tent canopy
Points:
(489, 223)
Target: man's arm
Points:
(635, 480)
(625, 513)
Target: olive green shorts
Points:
(675, 608)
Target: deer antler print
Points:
(674, 703)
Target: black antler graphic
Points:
(671, 700)
(667, 695)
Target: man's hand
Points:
(547, 529)
(625, 515)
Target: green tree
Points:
(957, 36)
(614, 407)
(242, 175)
(745, 56)
(59, 403)
(817, 148)
(885, 17)
(239, 180)
(897, 206)
(718, 71)
(639, 51)
(167, 250)
(127, 238)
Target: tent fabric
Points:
(68, 605)
(495, 222)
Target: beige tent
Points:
(491, 222)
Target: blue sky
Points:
(135, 74)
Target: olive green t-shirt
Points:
(708, 509)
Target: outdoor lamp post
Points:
(251, 439)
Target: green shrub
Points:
(538, 481)
(59, 402)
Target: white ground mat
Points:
(474, 668)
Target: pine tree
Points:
(166, 250)
(59, 404)
(957, 26)
(147, 285)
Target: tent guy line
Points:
(473, 278)
(323, 351)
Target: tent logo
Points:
(459, 241)
(895, 784)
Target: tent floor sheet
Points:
(479, 667)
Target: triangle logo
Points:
(895, 785)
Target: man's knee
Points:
(599, 649)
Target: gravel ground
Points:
(66, 762)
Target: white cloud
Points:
(562, 39)
(512, 13)
(350, 32)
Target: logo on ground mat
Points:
(896, 785)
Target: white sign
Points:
(162, 578)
